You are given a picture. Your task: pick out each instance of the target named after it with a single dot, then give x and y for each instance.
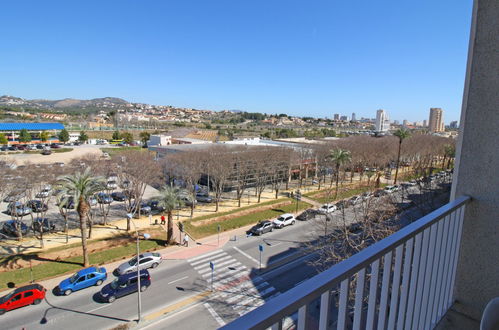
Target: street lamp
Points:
(139, 302)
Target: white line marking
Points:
(95, 309)
(246, 255)
(171, 315)
(204, 255)
(180, 279)
(223, 266)
(207, 259)
(214, 314)
(215, 261)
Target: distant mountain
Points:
(105, 102)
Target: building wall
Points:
(436, 123)
(477, 279)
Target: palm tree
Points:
(402, 134)
(170, 198)
(82, 186)
(339, 158)
(449, 153)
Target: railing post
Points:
(324, 316)
(342, 310)
(302, 317)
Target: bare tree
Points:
(218, 167)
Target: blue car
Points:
(83, 279)
(124, 285)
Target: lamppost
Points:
(139, 302)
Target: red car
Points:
(32, 294)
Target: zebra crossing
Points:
(235, 292)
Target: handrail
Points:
(288, 303)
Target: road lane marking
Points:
(246, 255)
(171, 315)
(180, 279)
(214, 314)
(206, 263)
(95, 309)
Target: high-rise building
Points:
(396, 122)
(344, 118)
(336, 116)
(382, 121)
(405, 123)
(425, 123)
(353, 116)
(453, 124)
(436, 122)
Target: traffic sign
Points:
(212, 265)
(260, 247)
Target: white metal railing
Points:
(404, 281)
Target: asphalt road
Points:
(239, 287)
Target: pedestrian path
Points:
(235, 291)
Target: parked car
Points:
(187, 201)
(92, 201)
(14, 228)
(32, 294)
(261, 228)
(119, 196)
(12, 148)
(67, 202)
(367, 195)
(18, 209)
(286, 219)
(13, 196)
(55, 146)
(124, 285)
(46, 152)
(21, 147)
(43, 194)
(202, 198)
(144, 209)
(147, 260)
(391, 189)
(308, 214)
(37, 206)
(39, 146)
(82, 279)
(341, 204)
(355, 200)
(44, 224)
(380, 192)
(104, 198)
(4, 148)
(111, 185)
(155, 206)
(327, 208)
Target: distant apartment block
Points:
(382, 121)
(436, 123)
(354, 117)
(453, 124)
(344, 118)
(336, 116)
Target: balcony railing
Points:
(404, 281)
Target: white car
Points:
(391, 189)
(328, 208)
(284, 220)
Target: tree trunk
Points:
(398, 160)
(82, 213)
(337, 181)
(169, 232)
(276, 193)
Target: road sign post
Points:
(260, 248)
(212, 266)
(298, 198)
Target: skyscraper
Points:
(436, 122)
(336, 116)
(353, 116)
(382, 121)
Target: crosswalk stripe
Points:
(206, 264)
(225, 274)
(237, 290)
(221, 267)
(246, 301)
(208, 259)
(204, 255)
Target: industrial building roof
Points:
(31, 126)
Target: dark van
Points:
(124, 285)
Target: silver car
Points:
(147, 260)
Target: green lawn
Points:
(52, 268)
(239, 209)
(241, 221)
(114, 151)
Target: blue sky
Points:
(305, 58)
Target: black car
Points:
(44, 224)
(201, 198)
(14, 228)
(104, 198)
(4, 148)
(124, 285)
(119, 196)
(155, 206)
(12, 148)
(39, 146)
(308, 215)
(261, 228)
(67, 202)
(37, 206)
